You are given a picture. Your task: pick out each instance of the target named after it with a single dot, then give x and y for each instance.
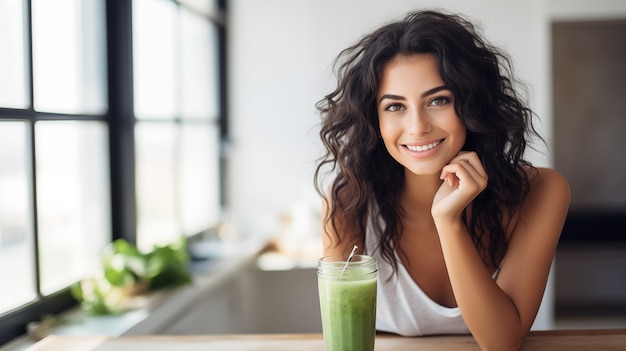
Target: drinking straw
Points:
(349, 258)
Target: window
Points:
(111, 120)
(177, 130)
(16, 229)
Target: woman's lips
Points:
(423, 147)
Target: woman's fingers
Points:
(464, 178)
(467, 169)
(472, 158)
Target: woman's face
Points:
(416, 115)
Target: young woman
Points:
(425, 137)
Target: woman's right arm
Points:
(339, 239)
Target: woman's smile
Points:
(423, 147)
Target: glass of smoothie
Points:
(347, 292)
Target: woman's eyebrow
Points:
(424, 94)
(391, 96)
(434, 90)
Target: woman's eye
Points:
(393, 107)
(439, 101)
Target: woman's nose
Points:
(418, 123)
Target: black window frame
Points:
(121, 122)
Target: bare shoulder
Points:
(547, 184)
(547, 204)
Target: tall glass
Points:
(348, 302)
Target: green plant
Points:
(126, 271)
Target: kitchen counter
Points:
(605, 340)
(163, 311)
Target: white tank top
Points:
(402, 307)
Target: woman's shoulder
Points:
(544, 209)
(548, 181)
(549, 192)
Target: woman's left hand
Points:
(463, 179)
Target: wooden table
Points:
(604, 340)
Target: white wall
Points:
(280, 56)
(280, 65)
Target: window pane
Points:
(17, 271)
(199, 97)
(203, 6)
(154, 56)
(69, 56)
(199, 178)
(72, 198)
(155, 150)
(13, 76)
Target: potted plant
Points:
(128, 272)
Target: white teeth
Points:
(423, 147)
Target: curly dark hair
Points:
(368, 181)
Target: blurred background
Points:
(150, 119)
(570, 54)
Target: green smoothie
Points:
(348, 305)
